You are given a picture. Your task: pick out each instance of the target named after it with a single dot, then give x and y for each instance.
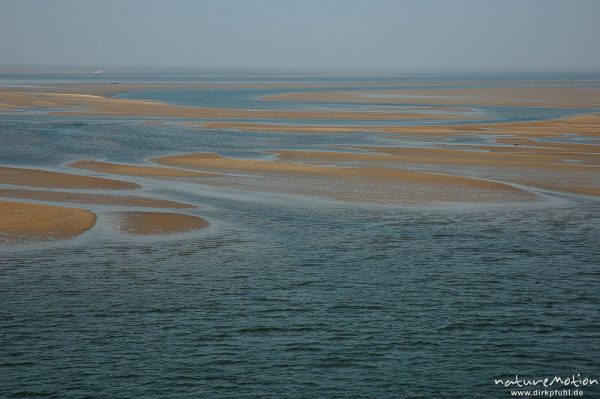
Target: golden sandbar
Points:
(46, 179)
(100, 199)
(362, 184)
(136, 170)
(21, 221)
(150, 223)
(573, 172)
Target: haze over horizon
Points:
(406, 35)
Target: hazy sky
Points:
(382, 34)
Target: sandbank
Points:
(86, 104)
(46, 179)
(554, 171)
(136, 170)
(566, 97)
(584, 124)
(150, 223)
(263, 127)
(25, 222)
(362, 184)
(100, 199)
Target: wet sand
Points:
(151, 223)
(46, 179)
(528, 97)
(136, 170)
(549, 171)
(525, 157)
(584, 124)
(537, 145)
(85, 104)
(364, 184)
(99, 199)
(263, 127)
(26, 222)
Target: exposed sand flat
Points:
(530, 97)
(542, 171)
(46, 179)
(434, 130)
(353, 184)
(520, 156)
(149, 223)
(25, 222)
(549, 145)
(263, 127)
(95, 105)
(100, 199)
(585, 125)
(522, 149)
(538, 157)
(47, 100)
(235, 165)
(136, 170)
(215, 162)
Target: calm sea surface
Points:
(286, 296)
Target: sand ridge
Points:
(99, 199)
(47, 179)
(152, 223)
(279, 128)
(136, 170)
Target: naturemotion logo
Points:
(560, 386)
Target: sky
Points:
(436, 35)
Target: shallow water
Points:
(291, 297)
(254, 99)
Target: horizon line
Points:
(107, 69)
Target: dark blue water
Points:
(305, 302)
(287, 297)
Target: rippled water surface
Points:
(291, 297)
